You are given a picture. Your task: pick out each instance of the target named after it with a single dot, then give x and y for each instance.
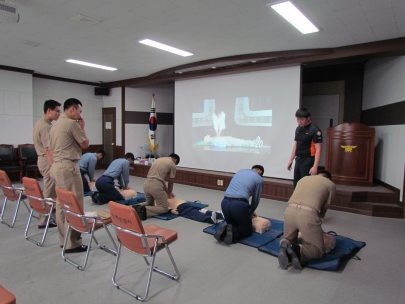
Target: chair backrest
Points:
(35, 194)
(7, 153)
(69, 202)
(28, 151)
(5, 182)
(125, 217)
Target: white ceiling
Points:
(45, 37)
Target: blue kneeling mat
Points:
(257, 239)
(137, 200)
(88, 193)
(169, 216)
(345, 248)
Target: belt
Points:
(237, 199)
(66, 161)
(107, 176)
(299, 157)
(303, 207)
(41, 155)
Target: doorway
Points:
(108, 135)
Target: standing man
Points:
(117, 170)
(307, 147)
(87, 166)
(155, 187)
(67, 139)
(235, 205)
(305, 212)
(45, 159)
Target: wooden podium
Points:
(350, 154)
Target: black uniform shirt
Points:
(306, 138)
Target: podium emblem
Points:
(349, 148)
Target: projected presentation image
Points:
(231, 126)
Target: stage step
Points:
(372, 209)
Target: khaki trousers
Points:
(154, 190)
(49, 185)
(67, 176)
(309, 224)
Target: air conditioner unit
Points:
(8, 13)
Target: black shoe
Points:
(141, 210)
(77, 249)
(51, 225)
(220, 232)
(294, 252)
(93, 198)
(98, 199)
(282, 255)
(229, 235)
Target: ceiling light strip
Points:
(93, 65)
(165, 47)
(295, 17)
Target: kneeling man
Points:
(118, 170)
(306, 208)
(87, 166)
(235, 205)
(155, 188)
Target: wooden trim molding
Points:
(388, 115)
(13, 69)
(137, 117)
(123, 118)
(65, 79)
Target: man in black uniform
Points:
(307, 147)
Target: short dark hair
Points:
(325, 173)
(50, 104)
(71, 102)
(101, 151)
(176, 157)
(302, 113)
(259, 167)
(129, 155)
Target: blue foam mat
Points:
(257, 239)
(88, 193)
(345, 248)
(137, 200)
(169, 216)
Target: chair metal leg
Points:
(43, 235)
(87, 252)
(106, 249)
(151, 269)
(15, 213)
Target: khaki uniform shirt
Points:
(41, 135)
(313, 191)
(161, 168)
(65, 137)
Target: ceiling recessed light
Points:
(93, 65)
(294, 16)
(214, 67)
(253, 61)
(165, 47)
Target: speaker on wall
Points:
(102, 91)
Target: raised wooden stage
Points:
(373, 201)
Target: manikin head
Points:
(207, 139)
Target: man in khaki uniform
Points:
(306, 209)
(45, 159)
(67, 139)
(155, 187)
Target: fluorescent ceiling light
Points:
(93, 65)
(295, 17)
(165, 47)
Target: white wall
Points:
(384, 84)
(16, 108)
(140, 99)
(44, 89)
